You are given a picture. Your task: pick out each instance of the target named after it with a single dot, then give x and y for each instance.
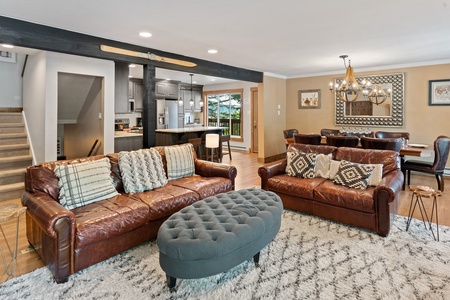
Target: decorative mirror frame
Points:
(396, 119)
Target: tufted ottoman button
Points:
(215, 234)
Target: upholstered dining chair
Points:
(342, 141)
(389, 134)
(382, 144)
(441, 150)
(327, 132)
(289, 133)
(307, 138)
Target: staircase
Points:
(14, 155)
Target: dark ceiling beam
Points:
(31, 35)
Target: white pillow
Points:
(377, 175)
(83, 183)
(180, 161)
(322, 168)
(334, 167)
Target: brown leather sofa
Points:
(71, 240)
(371, 208)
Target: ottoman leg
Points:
(256, 259)
(171, 282)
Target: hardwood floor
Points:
(247, 166)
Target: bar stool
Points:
(424, 192)
(223, 139)
(212, 141)
(197, 143)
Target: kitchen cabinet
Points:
(121, 94)
(128, 143)
(166, 90)
(136, 93)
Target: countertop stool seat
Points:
(197, 143)
(226, 139)
(218, 233)
(418, 193)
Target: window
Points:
(225, 110)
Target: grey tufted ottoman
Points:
(215, 234)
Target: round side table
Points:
(9, 212)
(419, 192)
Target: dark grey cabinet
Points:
(166, 90)
(121, 94)
(136, 93)
(128, 143)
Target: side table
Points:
(9, 212)
(419, 192)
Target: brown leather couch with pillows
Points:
(359, 187)
(83, 211)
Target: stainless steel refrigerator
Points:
(167, 116)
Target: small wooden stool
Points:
(223, 139)
(197, 143)
(420, 191)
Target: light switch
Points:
(99, 115)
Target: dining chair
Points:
(343, 141)
(307, 138)
(382, 144)
(327, 132)
(441, 150)
(392, 134)
(289, 133)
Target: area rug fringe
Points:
(311, 258)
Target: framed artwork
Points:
(439, 92)
(8, 56)
(309, 99)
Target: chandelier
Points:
(349, 90)
(191, 102)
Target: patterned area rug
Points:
(310, 258)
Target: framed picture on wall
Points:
(439, 91)
(309, 99)
(8, 56)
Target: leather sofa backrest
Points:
(306, 148)
(41, 178)
(388, 158)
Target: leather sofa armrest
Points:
(391, 184)
(211, 169)
(269, 170)
(46, 212)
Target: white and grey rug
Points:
(310, 258)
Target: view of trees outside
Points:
(224, 110)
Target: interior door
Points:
(254, 132)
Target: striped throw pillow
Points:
(84, 183)
(180, 161)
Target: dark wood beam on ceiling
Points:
(31, 35)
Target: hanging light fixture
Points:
(191, 102)
(180, 101)
(378, 95)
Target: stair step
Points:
(11, 191)
(12, 128)
(15, 162)
(12, 176)
(13, 138)
(11, 118)
(14, 150)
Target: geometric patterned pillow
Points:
(353, 175)
(180, 161)
(83, 183)
(300, 164)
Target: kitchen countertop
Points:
(124, 134)
(188, 129)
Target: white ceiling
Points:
(285, 38)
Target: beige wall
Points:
(424, 122)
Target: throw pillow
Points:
(334, 167)
(141, 170)
(300, 164)
(180, 161)
(322, 168)
(377, 174)
(84, 183)
(353, 175)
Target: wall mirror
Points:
(362, 112)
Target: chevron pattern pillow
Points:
(300, 164)
(353, 175)
(141, 170)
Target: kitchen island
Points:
(167, 137)
(127, 141)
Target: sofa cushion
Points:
(342, 196)
(141, 170)
(112, 217)
(298, 187)
(300, 164)
(204, 186)
(353, 175)
(165, 201)
(180, 161)
(84, 183)
(387, 158)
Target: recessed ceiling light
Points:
(130, 76)
(194, 81)
(212, 51)
(7, 46)
(145, 34)
(132, 65)
(212, 79)
(167, 78)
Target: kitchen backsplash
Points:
(132, 117)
